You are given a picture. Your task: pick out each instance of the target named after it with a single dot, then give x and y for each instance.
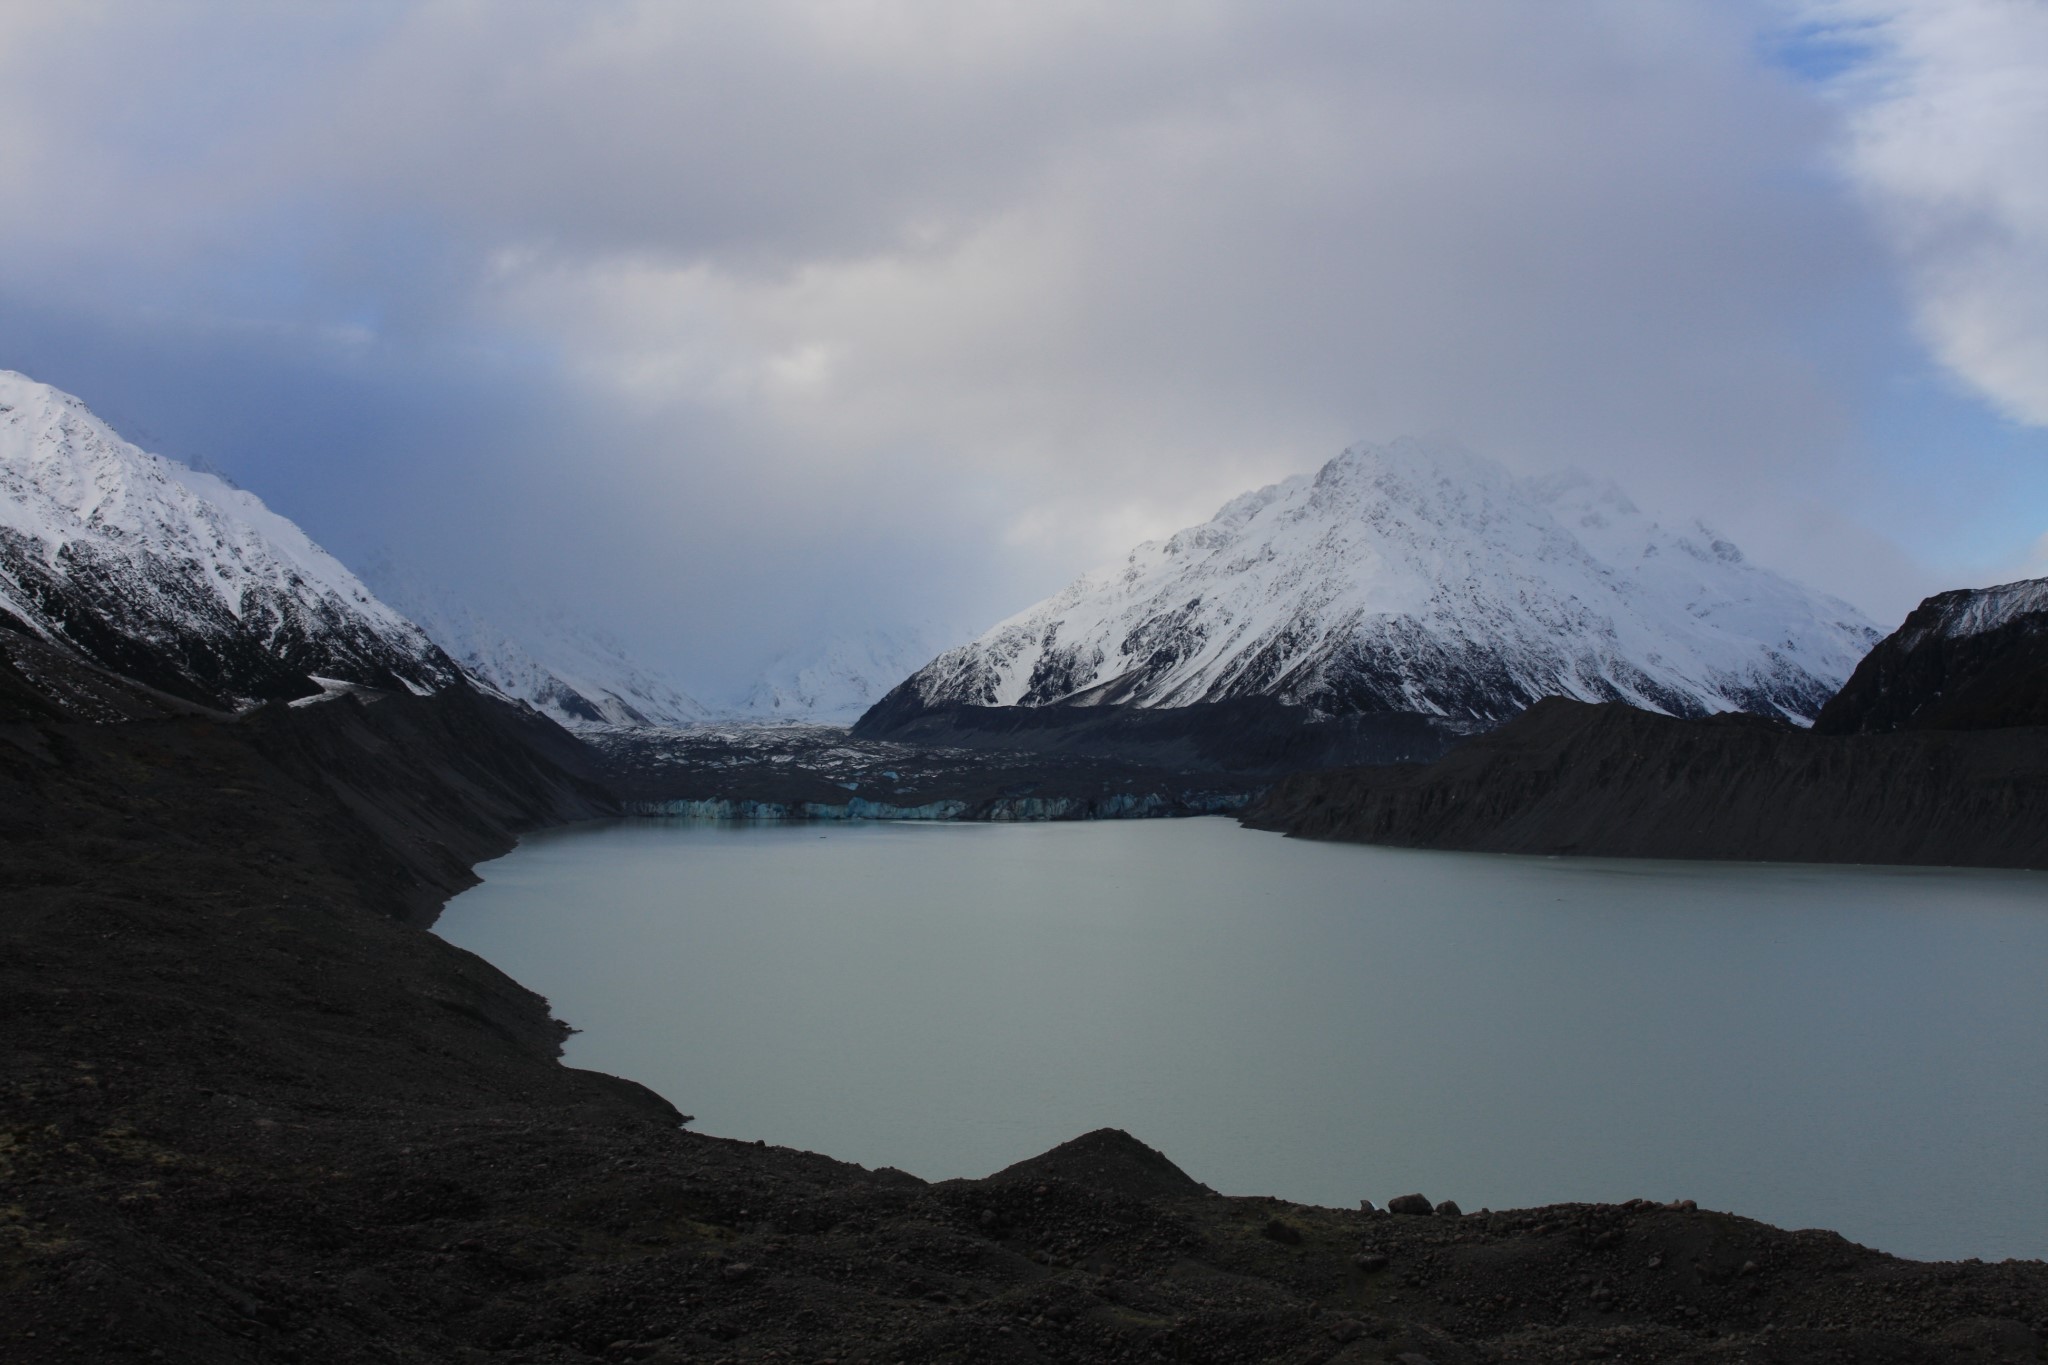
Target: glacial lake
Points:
(1862, 1049)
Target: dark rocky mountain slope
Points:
(1974, 659)
(1612, 781)
(1935, 751)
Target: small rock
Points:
(738, 1270)
(1449, 1209)
(1749, 1268)
(1410, 1204)
(1367, 1206)
(1281, 1231)
(1345, 1330)
(1369, 1261)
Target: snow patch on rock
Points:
(1986, 609)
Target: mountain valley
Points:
(252, 1110)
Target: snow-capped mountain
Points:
(174, 577)
(578, 675)
(835, 683)
(1969, 659)
(1417, 577)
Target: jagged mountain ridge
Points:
(1416, 577)
(176, 578)
(575, 674)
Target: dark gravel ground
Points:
(251, 1111)
(822, 765)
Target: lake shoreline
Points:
(253, 1111)
(940, 996)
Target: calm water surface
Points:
(1855, 1048)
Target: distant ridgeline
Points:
(1935, 751)
(1404, 597)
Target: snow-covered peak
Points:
(574, 672)
(1417, 576)
(175, 576)
(834, 682)
(1595, 510)
(67, 476)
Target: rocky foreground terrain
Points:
(251, 1110)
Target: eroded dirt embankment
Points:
(251, 1111)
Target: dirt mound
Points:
(1108, 1159)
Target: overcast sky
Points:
(726, 324)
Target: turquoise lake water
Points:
(1863, 1049)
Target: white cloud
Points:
(1169, 257)
(896, 284)
(1950, 141)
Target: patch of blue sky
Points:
(1820, 53)
(1958, 484)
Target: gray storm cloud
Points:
(881, 311)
